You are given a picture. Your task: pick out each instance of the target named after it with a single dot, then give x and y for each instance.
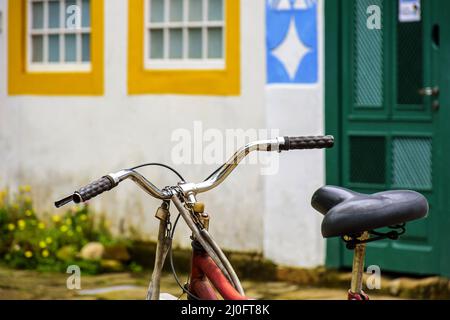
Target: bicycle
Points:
(210, 269)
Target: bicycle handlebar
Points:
(93, 189)
(90, 191)
(299, 143)
(279, 144)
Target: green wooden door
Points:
(390, 131)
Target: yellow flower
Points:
(45, 253)
(56, 218)
(28, 254)
(27, 200)
(42, 244)
(64, 228)
(41, 225)
(79, 229)
(11, 226)
(68, 221)
(25, 188)
(21, 223)
(48, 240)
(28, 213)
(83, 217)
(3, 194)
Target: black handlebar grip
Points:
(93, 189)
(297, 143)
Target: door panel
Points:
(390, 138)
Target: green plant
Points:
(135, 268)
(30, 242)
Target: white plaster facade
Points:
(57, 144)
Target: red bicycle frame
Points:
(205, 272)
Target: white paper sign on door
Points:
(409, 11)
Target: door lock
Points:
(435, 105)
(429, 91)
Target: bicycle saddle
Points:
(348, 213)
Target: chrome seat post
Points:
(358, 266)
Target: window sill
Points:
(59, 68)
(185, 64)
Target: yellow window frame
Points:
(23, 82)
(202, 82)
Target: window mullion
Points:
(166, 30)
(29, 29)
(146, 30)
(78, 44)
(224, 35)
(62, 37)
(204, 30)
(45, 33)
(78, 34)
(185, 30)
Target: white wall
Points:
(291, 226)
(57, 144)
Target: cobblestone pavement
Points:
(21, 284)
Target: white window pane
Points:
(215, 43)
(176, 44)
(156, 10)
(37, 15)
(195, 10)
(215, 10)
(53, 14)
(70, 48)
(37, 43)
(195, 43)
(72, 12)
(176, 10)
(53, 48)
(86, 47)
(156, 44)
(86, 13)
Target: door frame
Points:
(333, 125)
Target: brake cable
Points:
(171, 231)
(159, 165)
(217, 170)
(184, 288)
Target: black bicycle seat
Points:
(349, 213)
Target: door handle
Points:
(429, 91)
